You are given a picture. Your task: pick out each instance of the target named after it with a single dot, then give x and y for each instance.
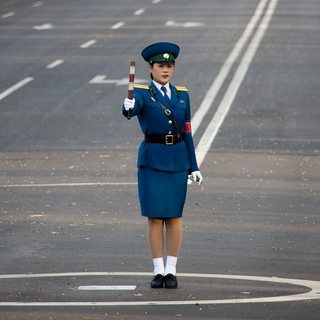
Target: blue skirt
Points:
(162, 193)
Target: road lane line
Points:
(139, 12)
(71, 184)
(118, 25)
(106, 288)
(7, 15)
(88, 44)
(209, 135)
(225, 69)
(37, 4)
(188, 24)
(45, 26)
(102, 79)
(15, 87)
(54, 64)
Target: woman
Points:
(165, 159)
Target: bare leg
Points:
(155, 234)
(173, 236)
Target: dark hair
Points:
(151, 65)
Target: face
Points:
(162, 72)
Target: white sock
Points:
(171, 265)
(158, 266)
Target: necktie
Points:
(167, 99)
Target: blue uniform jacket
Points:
(152, 119)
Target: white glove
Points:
(128, 104)
(196, 176)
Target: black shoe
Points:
(170, 281)
(157, 281)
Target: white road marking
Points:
(118, 25)
(313, 292)
(7, 15)
(88, 44)
(209, 135)
(15, 87)
(172, 23)
(37, 4)
(45, 26)
(102, 79)
(225, 69)
(106, 288)
(204, 106)
(71, 184)
(156, 1)
(54, 64)
(139, 11)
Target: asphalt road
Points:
(69, 210)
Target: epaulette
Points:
(141, 86)
(180, 88)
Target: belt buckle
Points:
(168, 139)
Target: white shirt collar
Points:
(167, 86)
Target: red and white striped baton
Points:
(131, 82)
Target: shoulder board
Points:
(179, 88)
(141, 86)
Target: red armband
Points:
(187, 127)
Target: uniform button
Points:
(169, 132)
(170, 121)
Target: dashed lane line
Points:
(88, 44)
(54, 64)
(8, 14)
(12, 13)
(37, 4)
(200, 152)
(212, 129)
(45, 26)
(15, 87)
(139, 12)
(117, 25)
(188, 24)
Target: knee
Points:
(173, 222)
(155, 222)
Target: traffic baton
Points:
(131, 83)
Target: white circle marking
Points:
(312, 294)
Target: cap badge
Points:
(166, 55)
